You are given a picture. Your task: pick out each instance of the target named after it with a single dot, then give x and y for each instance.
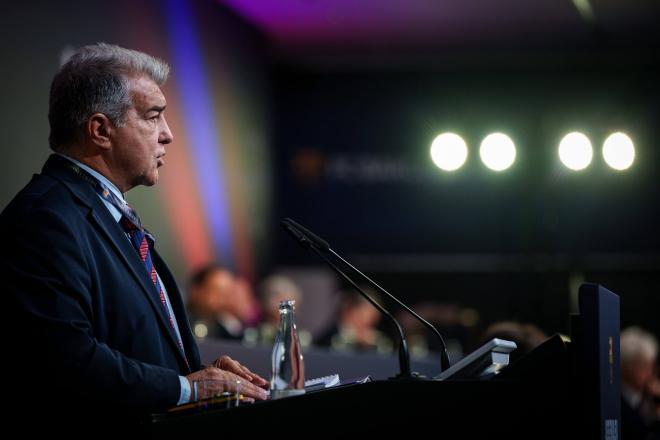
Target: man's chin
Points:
(150, 180)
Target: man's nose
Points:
(166, 136)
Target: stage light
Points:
(575, 151)
(497, 151)
(201, 330)
(619, 151)
(449, 151)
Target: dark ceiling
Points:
(396, 27)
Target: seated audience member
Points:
(357, 327)
(273, 290)
(249, 308)
(220, 304)
(455, 323)
(640, 387)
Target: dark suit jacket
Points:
(86, 324)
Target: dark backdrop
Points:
(353, 165)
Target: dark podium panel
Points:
(471, 409)
(526, 407)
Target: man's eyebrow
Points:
(156, 108)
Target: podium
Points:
(561, 389)
(503, 408)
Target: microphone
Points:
(444, 355)
(316, 244)
(312, 241)
(296, 234)
(301, 233)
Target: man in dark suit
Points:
(97, 321)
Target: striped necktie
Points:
(139, 238)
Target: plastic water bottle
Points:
(288, 372)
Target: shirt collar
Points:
(98, 176)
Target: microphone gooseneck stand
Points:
(309, 240)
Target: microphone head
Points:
(296, 234)
(306, 237)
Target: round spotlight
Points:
(619, 151)
(575, 151)
(449, 151)
(201, 330)
(497, 151)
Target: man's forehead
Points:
(145, 92)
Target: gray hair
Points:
(280, 285)
(638, 345)
(95, 80)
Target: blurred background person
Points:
(248, 308)
(273, 290)
(654, 403)
(640, 387)
(455, 323)
(356, 326)
(220, 305)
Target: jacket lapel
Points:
(103, 221)
(176, 301)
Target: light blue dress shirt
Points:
(184, 396)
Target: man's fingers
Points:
(245, 387)
(237, 368)
(250, 390)
(255, 378)
(247, 371)
(243, 371)
(226, 363)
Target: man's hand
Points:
(247, 388)
(228, 364)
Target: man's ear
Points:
(99, 130)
